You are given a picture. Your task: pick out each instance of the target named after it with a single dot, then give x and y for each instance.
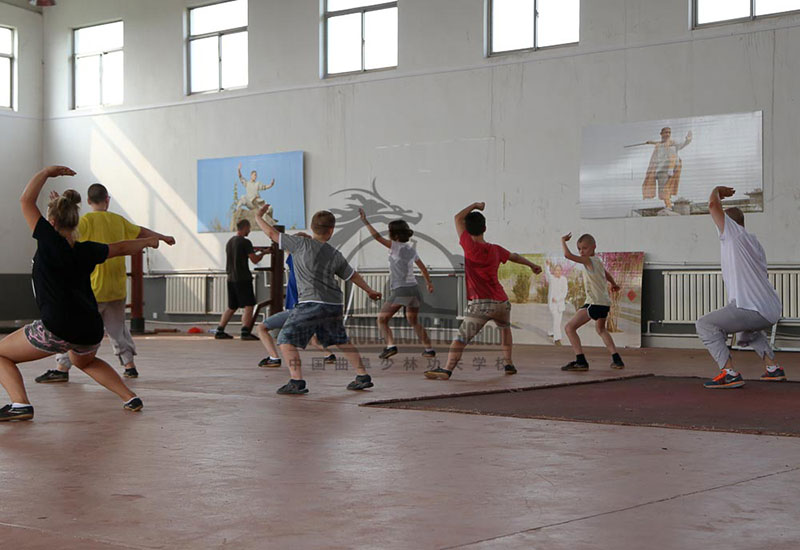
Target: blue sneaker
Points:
(724, 381)
(775, 376)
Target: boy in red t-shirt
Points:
(486, 298)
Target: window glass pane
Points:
(112, 78)
(380, 39)
(559, 22)
(764, 7)
(6, 41)
(100, 38)
(5, 82)
(344, 43)
(87, 81)
(218, 17)
(234, 60)
(204, 69)
(336, 5)
(512, 25)
(709, 11)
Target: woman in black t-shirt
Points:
(70, 321)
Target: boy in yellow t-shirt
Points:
(108, 280)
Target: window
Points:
(360, 35)
(97, 65)
(217, 47)
(530, 24)
(715, 11)
(6, 67)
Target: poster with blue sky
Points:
(234, 188)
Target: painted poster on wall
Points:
(542, 304)
(669, 167)
(234, 188)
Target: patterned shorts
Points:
(42, 339)
(308, 319)
(478, 313)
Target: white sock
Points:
(428, 349)
(732, 372)
(772, 368)
(275, 358)
(20, 405)
(131, 399)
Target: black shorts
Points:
(240, 294)
(596, 312)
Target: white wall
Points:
(20, 139)
(446, 128)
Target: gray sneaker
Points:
(52, 376)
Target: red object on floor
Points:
(195, 330)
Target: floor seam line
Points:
(78, 538)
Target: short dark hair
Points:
(587, 237)
(241, 224)
(735, 214)
(322, 221)
(400, 231)
(97, 193)
(475, 223)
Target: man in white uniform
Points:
(753, 305)
(557, 288)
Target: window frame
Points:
(12, 67)
(100, 53)
(751, 17)
(219, 34)
(490, 32)
(363, 10)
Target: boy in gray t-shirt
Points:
(319, 309)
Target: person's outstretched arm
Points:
(459, 219)
(372, 231)
(129, 248)
(425, 274)
(519, 259)
(145, 233)
(263, 187)
(569, 255)
(30, 195)
(271, 232)
(359, 281)
(686, 141)
(715, 205)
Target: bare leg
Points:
(605, 336)
(226, 317)
(266, 338)
(580, 318)
(387, 312)
(292, 357)
(353, 356)
(412, 316)
(103, 374)
(506, 343)
(454, 355)
(247, 318)
(15, 349)
(320, 347)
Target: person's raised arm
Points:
(134, 246)
(686, 141)
(265, 187)
(145, 233)
(459, 218)
(425, 274)
(519, 259)
(568, 254)
(359, 281)
(372, 231)
(715, 205)
(239, 171)
(31, 193)
(271, 232)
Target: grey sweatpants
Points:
(113, 314)
(749, 326)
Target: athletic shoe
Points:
(557, 342)
(362, 382)
(222, 335)
(134, 405)
(429, 353)
(724, 381)
(388, 352)
(52, 376)
(438, 374)
(269, 362)
(775, 376)
(248, 336)
(510, 369)
(131, 373)
(8, 413)
(574, 366)
(617, 364)
(329, 359)
(293, 387)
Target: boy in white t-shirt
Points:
(403, 284)
(753, 305)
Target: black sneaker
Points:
(510, 369)
(438, 374)
(362, 382)
(574, 366)
(293, 387)
(775, 376)
(248, 336)
(724, 381)
(388, 352)
(329, 359)
(131, 373)
(222, 335)
(617, 364)
(269, 362)
(8, 413)
(52, 376)
(134, 405)
(429, 353)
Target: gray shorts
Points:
(274, 322)
(480, 312)
(408, 296)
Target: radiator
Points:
(688, 295)
(217, 294)
(360, 303)
(186, 294)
